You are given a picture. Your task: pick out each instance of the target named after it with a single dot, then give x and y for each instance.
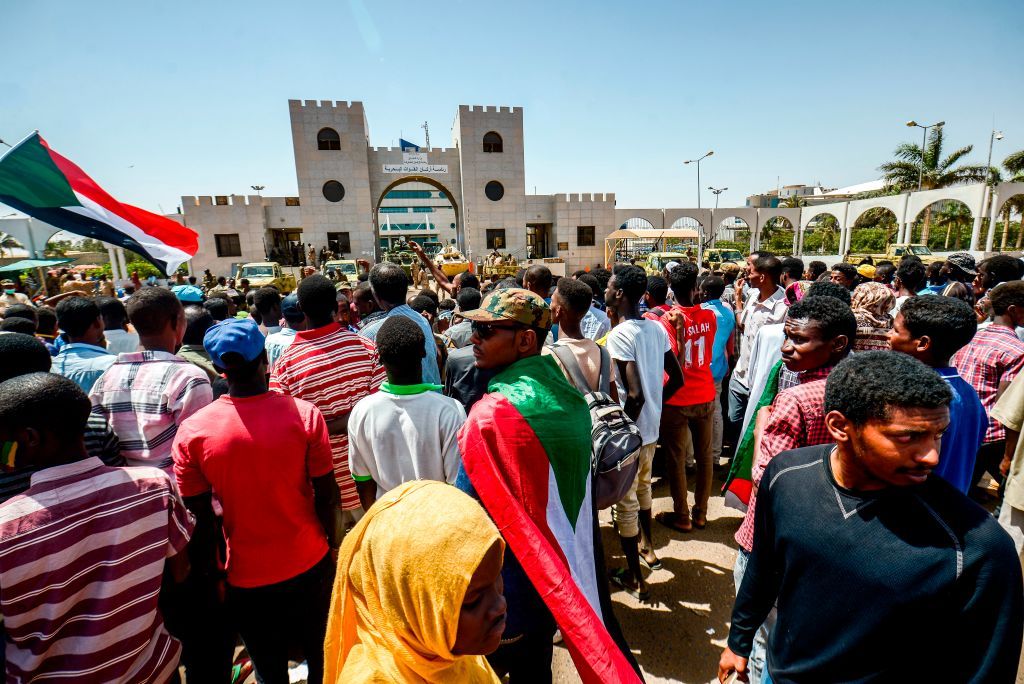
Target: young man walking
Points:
(688, 415)
(526, 449)
(83, 551)
(407, 430)
(333, 369)
(932, 330)
(279, 572)
(569, 304)
(895, 562)
(642, 355)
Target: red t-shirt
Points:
(258, 455)
(697, 334)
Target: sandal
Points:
(656, 565)
(671, 521)
(618, 578)
(700, 518)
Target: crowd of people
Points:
(395, 484)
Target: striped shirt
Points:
(332, 369)
(993, 357)
(81, 564)
(145, 396)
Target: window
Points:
(339, 243)
(584, 236)
(328, 139)
(334, 191)
(495, 238)
(228, 245)
(492, 142)
(494, 191)
(221, 200)
(394, 210)
(408, 194)
(423, 210)
(291, 201)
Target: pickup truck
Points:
(895, 253)
(264, 273)
(347, 269)
(716, 257)
(655, 262)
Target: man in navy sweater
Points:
(880, 570)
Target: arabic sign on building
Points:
(414, 157)
(415, 168)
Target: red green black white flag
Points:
(37, 181)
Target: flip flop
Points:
(655, 566)
(669, 520)
(618, 578)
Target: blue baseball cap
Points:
(187, 293)
(235, 335)
(290, 309)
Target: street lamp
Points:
(698, 161)
(924, 141)
(996, 135)
(258, 189)
(716, 192)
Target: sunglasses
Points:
(488, 330)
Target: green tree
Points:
(8, 242)
(953, 216)
(1014, 165)
(934, 171)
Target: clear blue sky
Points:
(159, 100)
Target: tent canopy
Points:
(26, 264)
(652, 234)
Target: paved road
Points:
(678, 636)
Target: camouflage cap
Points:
(512, 304)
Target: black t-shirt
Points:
(905, 584)
(463, 381)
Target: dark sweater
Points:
(906, 584)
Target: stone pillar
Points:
(124, 266)
(114, 266)
(991, 222)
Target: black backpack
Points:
(615, 439)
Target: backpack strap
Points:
(605, 379)
(568, 360)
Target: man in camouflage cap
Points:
(510, 325)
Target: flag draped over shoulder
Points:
(41, 183)
(526, 449)
(739, 483)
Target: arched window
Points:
(328, 139)
(492, 142)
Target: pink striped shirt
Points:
(82, 556)
(146, 396)
(332, 369)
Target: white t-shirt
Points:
(644, 342)
(397, 438)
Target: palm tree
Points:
(8, 242)
(953, 216)
(1014, 165)
(934, 171)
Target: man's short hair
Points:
(577, 295)
(657, 288)
(151, 309)
(832, 316)
(1003, 268)
(632, 280)
(868, 385)
(427, 292)
(592, 282)
(46, 320)
(21, 354)
(816, 268)
(191, 280)
(683, 278)
(113, 312)
(317, 297)
(603, 275)
(48, 402)
(885, 271)
(949, 322)
(1005, 295)
(19, 325)
(911, 274)
(265, 299)
(793, 267)
(389, 283)
(217, 305)
(75, 315)
(539, 277)
(22, 311)
(421, 303)
(770, 266)
(467, 279)
(450, 304)
(400, 342)
(825, 288)
(468, 299)
(714, 287)
(197, 321)
(849, 271)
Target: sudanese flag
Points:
(39, 182)
(526, 448)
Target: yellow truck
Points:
(655, 262)
(716, 257)
(895, 254)
(264, 273)
(346, 269)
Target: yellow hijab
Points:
(402, 575)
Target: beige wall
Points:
(242, 215)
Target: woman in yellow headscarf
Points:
(417, 596)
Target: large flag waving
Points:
(39, 182)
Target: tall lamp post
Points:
(697, 162)
(716, 192)
(996, 135)
(259, 189)
(924, 142)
